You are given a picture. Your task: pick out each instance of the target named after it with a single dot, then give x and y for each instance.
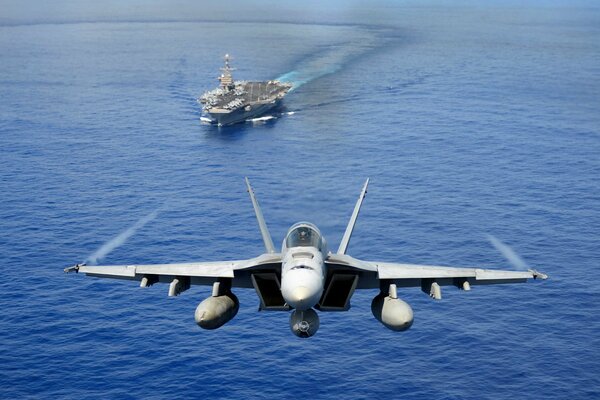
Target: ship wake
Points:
(331, 59)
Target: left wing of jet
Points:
(411, 271)
(370, 274)
(180, 276)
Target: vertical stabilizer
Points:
(346, 239)
(264, 231)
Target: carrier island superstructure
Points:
(238, 101)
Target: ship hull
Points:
(241, 114)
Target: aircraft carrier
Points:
(238, 101)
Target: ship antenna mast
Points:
(226, 78)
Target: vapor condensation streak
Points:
(119, 239)
(508, 253)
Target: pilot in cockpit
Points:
(303, 236)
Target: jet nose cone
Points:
(301, 288)
(300, 298)
(301, 293)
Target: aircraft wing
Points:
(472, 275)
(370, 273)
(180, 276)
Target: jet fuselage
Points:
(303, 270)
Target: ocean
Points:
(470, 120)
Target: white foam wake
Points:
(261, 119)
(330, 61)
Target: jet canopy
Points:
(303, 234)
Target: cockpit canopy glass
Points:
(303, 236)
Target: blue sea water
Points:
(470, 121)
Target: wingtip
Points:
(538, 275)
(74, 268)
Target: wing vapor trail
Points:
(508, 253)
(121, 238)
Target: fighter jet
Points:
(305, 276)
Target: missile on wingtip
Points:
(74, 268)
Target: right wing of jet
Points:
(262, 273)
(180, 276)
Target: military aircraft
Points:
(305, 276)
